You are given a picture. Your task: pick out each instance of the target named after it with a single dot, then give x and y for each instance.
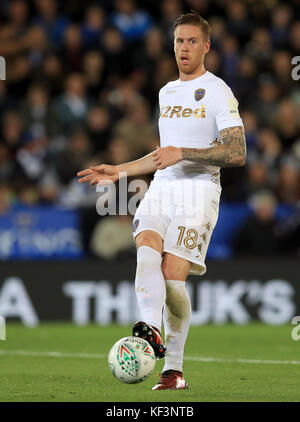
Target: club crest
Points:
(135, 224)
(199, 94)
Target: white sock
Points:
(150, 285)
(176, 317)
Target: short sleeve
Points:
(226, 108)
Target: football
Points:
(131, 360)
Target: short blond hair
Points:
(193, 18)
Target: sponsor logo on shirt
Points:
(179, 111)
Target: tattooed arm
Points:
(232, 153)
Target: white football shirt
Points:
(192, 113)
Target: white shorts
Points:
(185, 224)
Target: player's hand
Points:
(103, 174)
(166, 156)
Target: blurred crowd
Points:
(82, 80)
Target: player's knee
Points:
(170, 272)
(150, 239)
(174, 268)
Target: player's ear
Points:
(206, 47)
(174, 43)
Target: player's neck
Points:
(190, 76)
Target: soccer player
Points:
(200, 131)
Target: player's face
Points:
(190, 48)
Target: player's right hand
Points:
(103, 174)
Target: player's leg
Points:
(177, 311)
(150, 289)
(185, 246)
(176, 317)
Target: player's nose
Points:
(185, 46)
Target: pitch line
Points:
(104, 356)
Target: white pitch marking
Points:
(102, 356)
(52, 354)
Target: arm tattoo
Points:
(232, 153)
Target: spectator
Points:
(145, 62)
(245, 82)
(213, 63)
(23, 56)
(92, 27)
(258, 178)
(282, 69)
(17, 20)
(230, 59)
(294, 38)
(288, 230)
(269, 150)
(48, 188)
(73, 158)
(7, 101)
(170, 10)
(111, 236)
(93, 71)
(72, 49)
(99, 128)
(11, 172)
(201, 6)
(28, 195)
(118, 151)
(123, 97)
(257, 235)
(115, 58)
(281, 18)
(52, 74)
(251, 129)
(286, 123)
(36, 112)
(218, 32)
(6, 196)
(53, 23)
(164, 71)
(12, 130)
(238, 23)
(266, 104)
(132, 23)
(32, 155)
(19, 71)
(71, 107)
(260, 48)
(136, 129)
(288, 184)
(153, 49)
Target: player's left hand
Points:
(166, 156)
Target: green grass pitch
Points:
(229, 363)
